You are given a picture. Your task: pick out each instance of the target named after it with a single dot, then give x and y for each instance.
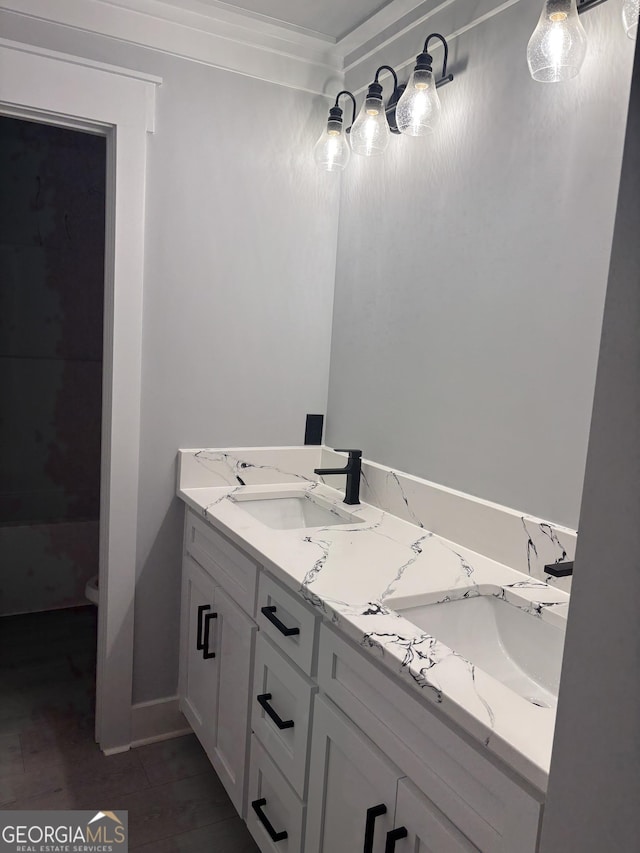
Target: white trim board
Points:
(158, 720)
(46, 87)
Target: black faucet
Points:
(352, 470)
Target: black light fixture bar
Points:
(585, 5)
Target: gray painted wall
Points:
(594, 787)
(472, 268)
(239, 272)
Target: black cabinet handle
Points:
(263, 700)
(370, 826)
(199, 640)
(206, 654)
(393, 836)
(269, 613)
(257, 805)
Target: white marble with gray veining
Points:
(354, 573)
(514, 538)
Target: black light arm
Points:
(339, 95)
(585, 5)
(445, 78)
(387, 68)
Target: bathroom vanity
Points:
(316, 672)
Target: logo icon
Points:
(111, 815)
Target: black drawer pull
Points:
(370, 826)
(393, 836)
(263, 700)
(206, 654)
(269, 613)
(199, 640)
(257, 805)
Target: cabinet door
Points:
(352, 787)
(215, 669)
(427, 829)
(198, 683)
(232, 644)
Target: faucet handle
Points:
(355, 453)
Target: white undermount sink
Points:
(293, 510)
(517, 648)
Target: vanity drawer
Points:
(288, 622)
(236, 573)
(278, 808)
(487, 805)
(281, 712)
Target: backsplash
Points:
(515, 539)
(518, 540)
(250, 466)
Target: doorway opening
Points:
(52, 255)
(117, 103)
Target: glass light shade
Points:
(418, 109)
(630, 13)
(331, 151)
(558, 45)
(370, 133)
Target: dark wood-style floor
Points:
(49, 759)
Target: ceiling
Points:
(331, 18)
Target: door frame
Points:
(69, 91)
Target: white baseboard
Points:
(158, 720)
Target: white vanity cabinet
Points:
(215, 672)
(451, 788)
(359, 800)
(321, 749)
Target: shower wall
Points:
(52, 197)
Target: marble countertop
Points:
(354, 573)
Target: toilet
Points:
(91, 590)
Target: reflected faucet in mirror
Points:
(352, 470)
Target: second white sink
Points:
(294, 510)
(517, 648)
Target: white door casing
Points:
(54, 88)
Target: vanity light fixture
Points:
(331, 151)
(413, 108)
(558, 45)
(418, 109)
(630, 14)
(370, 133)
(557, 48)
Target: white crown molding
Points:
(218, 10)
(403, 41)
(223, 36)
(231, 41)
(386, 18)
